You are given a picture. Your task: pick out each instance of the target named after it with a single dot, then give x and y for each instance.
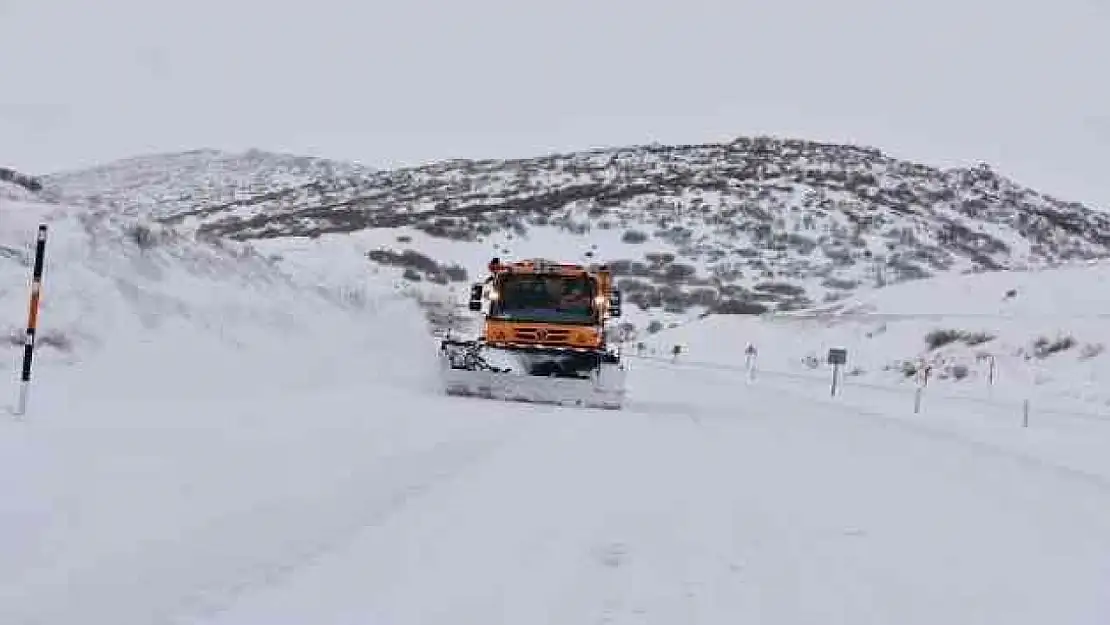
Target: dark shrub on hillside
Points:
(1043, 347)
(940, 338)
(634, 236)
(738, 307)
(781, 288)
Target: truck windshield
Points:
(545, 299)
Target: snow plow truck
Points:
(543, 337)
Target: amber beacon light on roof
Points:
(543, 337)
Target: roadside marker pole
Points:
(837, 356)
(32, 320)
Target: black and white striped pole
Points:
(32, 320)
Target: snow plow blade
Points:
(533, 375)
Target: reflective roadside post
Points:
(838, 356)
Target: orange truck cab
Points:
(546, 305)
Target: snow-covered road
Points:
(699, 504)
(704, 502)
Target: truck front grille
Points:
(542, 335)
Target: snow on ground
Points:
(11, 192)
(109, 302)
(340, 258)
(310, 473)
(539, 242)
(885, 333)
(693, 509)
(549, 242)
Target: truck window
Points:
(545, 298)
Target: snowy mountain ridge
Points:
(749, 226)
(161, 185)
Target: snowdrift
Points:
(11, 192)
(159, 313)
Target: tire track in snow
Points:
(203, 572)
(554, 525)
(766, 511)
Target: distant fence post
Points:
(1025, 413)
(837, 356)
(917, 400)
(750, 354)
(32, 320)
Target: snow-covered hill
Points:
(1044, 333)
(164, 185)
(748, 226)
(117, 289)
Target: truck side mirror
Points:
(615, 303)
(476, 297)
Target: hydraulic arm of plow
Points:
(466, 355)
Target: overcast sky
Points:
(1022, 85)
